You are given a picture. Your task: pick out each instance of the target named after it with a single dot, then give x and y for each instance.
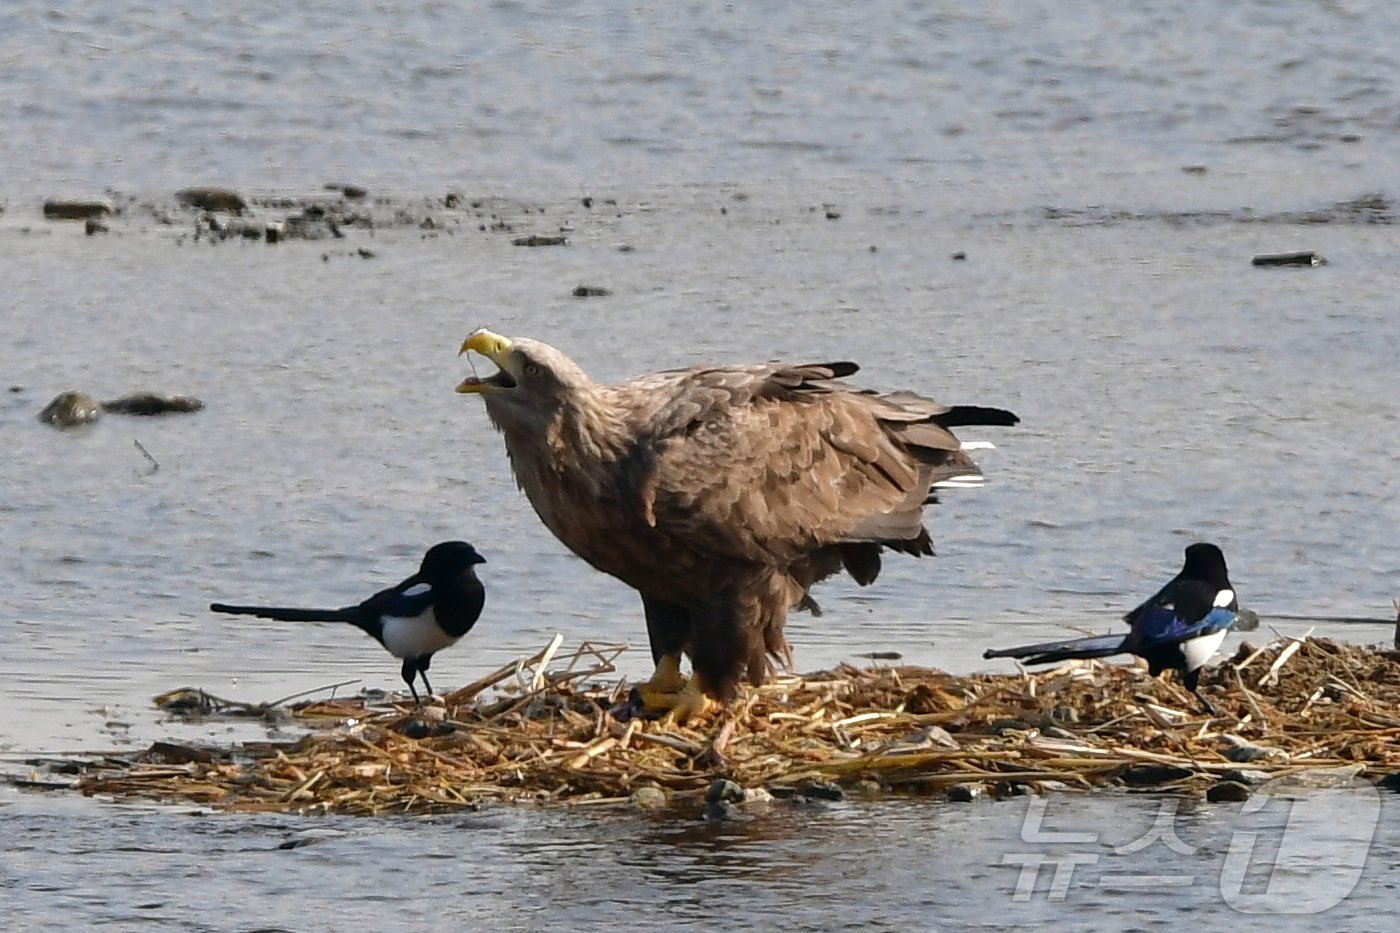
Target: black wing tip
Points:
(840, 369)
(960, 415)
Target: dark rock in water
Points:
(721, 811)
(1151, 775)
(349, 192)
(1228, 792)
(93, 226)
(1005, 790)
(591, 291)
(821, 790)
(965, 793)
(77, 209)
(723, 790)
(535, 239)
(173, 753)
(212, 199)
(71, 409)
(151, 403)
(1390, 782)
(1308, 258)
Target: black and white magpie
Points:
(414, 620)
(1179, 628)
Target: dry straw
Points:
(539, 730)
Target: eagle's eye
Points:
(531, 369)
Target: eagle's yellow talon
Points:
(691, 703)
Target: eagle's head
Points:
(533, 383)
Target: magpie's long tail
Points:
(287, 614)
(1100, 646)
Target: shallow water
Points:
(1107, 175)
(891, 865)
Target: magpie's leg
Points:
(409, 672)
(423, 672)
(1192, 680)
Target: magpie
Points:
(1179, 628)
(414, 620)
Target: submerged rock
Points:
(152, 403)
(212, 199)
(71, 409)
(76, 208)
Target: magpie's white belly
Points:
(414, 636)
(1197, 651)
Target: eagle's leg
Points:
(663, 689)
(668, 627)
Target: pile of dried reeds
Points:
(545, 734)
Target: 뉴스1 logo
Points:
(1298, 845)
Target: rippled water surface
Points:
(789, 180)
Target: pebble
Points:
(591, 291)
(871, 790)
(649, 797)
(724, 790)
(1243, 750)
(965, 793)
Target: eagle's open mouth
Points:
(495, 348)
(499, 380)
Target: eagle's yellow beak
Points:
(492, 346)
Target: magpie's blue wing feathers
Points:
(1157, 626)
